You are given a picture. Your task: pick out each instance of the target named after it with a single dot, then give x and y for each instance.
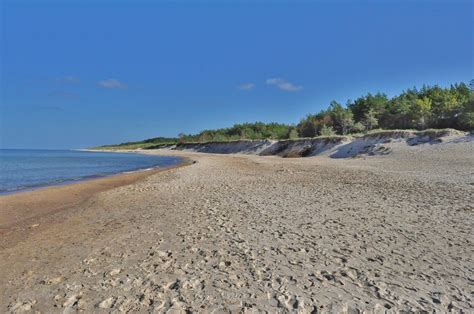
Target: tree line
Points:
(428, 107)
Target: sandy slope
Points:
(261, 233)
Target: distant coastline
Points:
(336, 146)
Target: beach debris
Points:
(114, 272)
(22, 306)
(107, 303)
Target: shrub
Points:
(327, 131)
(358, 127)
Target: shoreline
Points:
(21, 207)
(42, 186)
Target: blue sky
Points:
(83, 73)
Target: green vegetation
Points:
(250, 131)
(429, 107)
(150, 143)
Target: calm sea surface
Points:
(27, 169)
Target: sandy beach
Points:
(234, 233)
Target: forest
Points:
(428, 107)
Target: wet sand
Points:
(234, 232)
(23, 211)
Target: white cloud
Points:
(284, 84)
(247, 86)
(112, 83)
(68, 79)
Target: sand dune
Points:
(233, 232)
(373, 143)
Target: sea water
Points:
(22, 169)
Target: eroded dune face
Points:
(334, 146)
(251, 233)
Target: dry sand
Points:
(234, 232)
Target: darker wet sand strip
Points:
(23, 210)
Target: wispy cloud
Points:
(247, 86)
(64, 94)
(112, 83)
(284, 85)
(68, 79)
